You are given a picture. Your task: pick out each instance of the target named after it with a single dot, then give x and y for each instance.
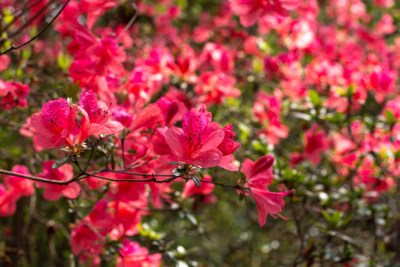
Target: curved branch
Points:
(85, 175)
(13, 47)
(40, 179)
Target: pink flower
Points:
(97, 63)
(19, 186)
(133, 255)
(228, 145)
(369, 180)
(67, 21)
(84, 239)
(126, 217)
(259, 175)
(13, 94)
(121, 114)
(196, 143)
(16, 187)
(268, 203)
(267, 111)
(185, 65)
(191, 188)
(383, 80)
(220, 58)
(214, 87)
(53, 191)
(4, 61)
(171, 110)
(250, 11)
(315, 144)
(7, 201)
(386, 26)
(96, 8)
(54, 124)
(96, 117)
(148, 118)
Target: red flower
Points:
(54, 191)
(315, 144)
(52, 126)
(214, 87)
(191, 188)
(259, 175)
(133, 255)
(96, 117)
(250, 11)
(196, 143)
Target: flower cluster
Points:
(56, 124)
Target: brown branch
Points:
(131, 21)
(38, 14)
(40, 179)
(13, 47)
(85, 175)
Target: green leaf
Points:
(201, 175)
(336, 217)
(173, 163)
(60, 162)
(351, 90)
(390, 119)
(123, 134)
(182, 3)
(326, 216)
(314, 98)
(63, 61)
(345, 221)
(242, 176)
(196, 180)
(258, 146)
(179, 171)
(245, 132)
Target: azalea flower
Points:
(250, 11)
(197, 142)
(53, 192)
(191, 188)
(15, 188)
(53, 125)
(96, 116)
(316, 143)
(259, 175)
(133, 255)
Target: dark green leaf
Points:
(123, 134)
(201, 175)
(196, 180)
(390, 119)
(60, 162)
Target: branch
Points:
(39, 179)
(131, 21)
(13, 47)
(84, 175)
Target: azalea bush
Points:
(199, 133)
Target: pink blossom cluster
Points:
(13, 94)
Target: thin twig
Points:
(131, 21)
(13, 47)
